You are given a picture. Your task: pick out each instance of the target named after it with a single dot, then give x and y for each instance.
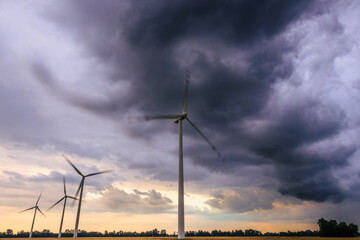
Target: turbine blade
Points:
(218, 153)
(38, 199)
(77, 170)
(72, 197)
(27, 209)
(148, 118)
(77, 192)
(55, 204)
(41, 212)
(92, 174)
(64, 186)
(188, 76)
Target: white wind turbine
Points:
(36, 207)
(81, 188)
(178, 118)
(65, 197)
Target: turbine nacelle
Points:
(181, 117)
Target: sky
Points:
(274, 85)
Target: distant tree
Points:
(239, 233)
(163, 232)
(155, 232)
(333, 229)
(214, 233)
(252, 232)
(9, 232)
(69, 231)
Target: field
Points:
(195, 238)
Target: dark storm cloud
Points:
(158, 40)
(159, 24)
(303, 172)
(243, 200)
(157, 76)
(156, 29)
(320, 184)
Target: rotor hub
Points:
(182, 117)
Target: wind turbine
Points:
(81, 188)
(178, 118)
(36, 207)
(65, 197)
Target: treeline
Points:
(333, 229)
(82, 233)
(154, 233)
(307, 233)
(327, 229)
(200, 233)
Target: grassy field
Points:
(196, 238)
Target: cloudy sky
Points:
(275, 86)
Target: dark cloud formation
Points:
(234, 22)
(157, 31)
(303, 172)
(137, 202)
(242, 200)
(238, 56)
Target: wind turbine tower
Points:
(178, 118)
(80, 189)
(65, 197)
(36, 207)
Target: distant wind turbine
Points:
(80, 189)
(65, 197)
(178, 118)
(36, 207)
